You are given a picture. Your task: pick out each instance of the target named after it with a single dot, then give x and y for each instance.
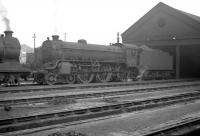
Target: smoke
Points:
(7, 22)
(55, 16)
(3, 13)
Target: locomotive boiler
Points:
(10, 68)
(81, 62)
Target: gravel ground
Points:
(87, 90)
(128, 124)
(76, 85)
(41, 108)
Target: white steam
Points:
(55, 16)
(3, 13)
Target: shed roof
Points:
(163, 23)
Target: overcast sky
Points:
(97, 21)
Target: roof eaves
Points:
(194, 17)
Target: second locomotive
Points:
(70, 62)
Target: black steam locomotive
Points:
(70, 62)
(10, 68)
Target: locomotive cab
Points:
(132, 55)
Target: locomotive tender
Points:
(70, 62)
(10, 68)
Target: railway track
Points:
(83, 95)
(188, 126)
(35, 88)
(70, 117)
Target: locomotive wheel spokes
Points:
(71, 78)
(85, 77)
(122, 76)
(104, 75)
(11, 80)
(17, 79)
(39, 81)
(51, 78)
(132, 73)
(39, 78)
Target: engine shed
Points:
(171, 30)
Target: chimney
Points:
(8, 33)
(82, 41)
(55, 37)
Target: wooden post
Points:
(177, 61)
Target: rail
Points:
(41, 120)
(66, 96)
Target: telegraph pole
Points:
(34, 61)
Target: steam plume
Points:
(7, 23)
(55, 16)
(3, 13)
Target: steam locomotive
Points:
(10, 68)
(70, 62)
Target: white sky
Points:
(97, 21)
